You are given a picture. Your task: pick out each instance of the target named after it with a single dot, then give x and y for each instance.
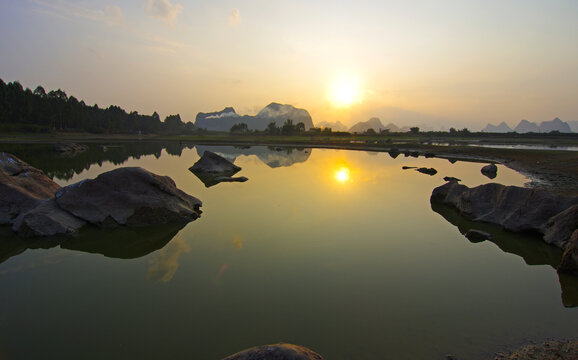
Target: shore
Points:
(547, 350)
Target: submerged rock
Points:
(69, 147)
(428, 171)
(129, 196)
(490, 171)
(22, 187)
(212, 169)
(279, 351)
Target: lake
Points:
(339, 251)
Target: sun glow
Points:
(345, 91)
(342, 175)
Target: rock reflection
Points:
(121, 243)
(531, 248)
(164, 265)
(124, 243)
(237, 242)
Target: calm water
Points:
(339, 251)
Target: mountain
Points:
(362, 126)
(526, 126)
(555, 125)
(573, 125)
(278, 113)
(335, 126)
(502, 128)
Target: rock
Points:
(475, 235)
(212, 169)
(514, 208)
(429, 155)
(569, 263)
(451, 178)
(279, 351)
(129, 196)
(213, 163)
(46, 219)
(393, 153)
(408, 167)
(22, 187)
(428, 171)
(70, 147)
(559, 228)
(490, 171)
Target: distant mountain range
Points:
(526, 126)
(375, 124)
(335, 126)
(278, 113)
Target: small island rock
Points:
(213, 169)
(490, 171)
(427, 171)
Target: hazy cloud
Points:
(164, 10)
(160, 44)
(234, 17)
(110, 15)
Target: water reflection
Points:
(531, 248)
(342, 175)
(272, 156)
(163, 266)
(121, 243)
(43, 156)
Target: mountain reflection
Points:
(272, 156)
(532, 249)
(43, 156)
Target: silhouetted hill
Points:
(555, 125)
(278, 113)
(335, 125)
(526, 126)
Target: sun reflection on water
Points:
(342, 175)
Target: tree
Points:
(39, 91)
(300, 127)
(240, 128)
(272, 128)
(288, 128)
(414, 130)
(370, 131)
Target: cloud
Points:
(164, 265)
(160, 44)
(164, 10)
(110, 15)
(234, 17)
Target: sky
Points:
(431, 63)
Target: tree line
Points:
(24, 110)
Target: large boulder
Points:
(22, 187)
(128, 196)
(279, 351)
(46, 219)
(514, 208)
(559, 228)
(569, 263)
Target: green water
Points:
(339, 251)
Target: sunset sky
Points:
(416, 62)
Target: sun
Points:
(345, 91)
